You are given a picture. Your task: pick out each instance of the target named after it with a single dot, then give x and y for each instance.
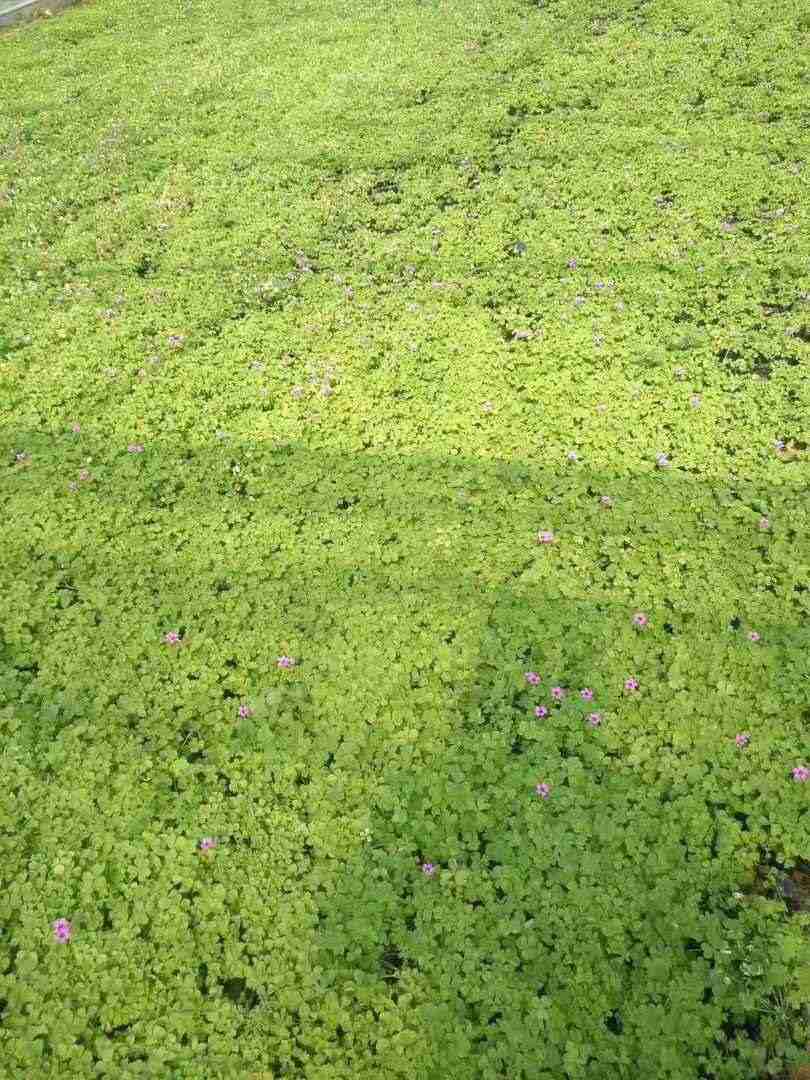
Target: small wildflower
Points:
(679, 373)
(764, 524)
(285, 662)
(695, 400)
(579, 301)
(21, 457)
(543, 790)
(176, 341)
(662, 461)
(630, 684)
(245, 712)
(135, 448)
(601, 407)
(779, 445)
(801, 774)
(753, 635)
(73, 486)
(640, 620)
(572, 264)
(545, 537)
(540, 712)
(327, 390)
(208, 843)
(572, 455)
(586, 694)
(428, 869)
(257, 365)
(606, 501)
(75, 428)
(594, 719)
(743, 739)
(599, 285)
(557, 693)
(487, 407)
(297, 391)
(62, 930)
(532, 678)
(171, 638)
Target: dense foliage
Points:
(360, 363)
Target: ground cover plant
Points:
(404, 486)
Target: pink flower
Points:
(75, 428)
(586, 694)
(245, 712)
(428, 869)
(135, 448)
(172, 638)
(743, 739)
(595, 719)
(532, 678)
(753, 635)
(543, 790)
(208, 843)
(540, 711)
(764, 524)
(84, 474)
(285, 662)
(630, 684)
(640, 620)
(545, 537)
(62, 931)
(557, 693)
(801, 774)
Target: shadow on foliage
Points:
(607, 928)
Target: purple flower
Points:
(586, 694)
(208, 843)
(630, 684)
(779, 445)
(62, 931)
(172, 638)
(543, 790)
(801, 774)
(540, 711)
(428, 869)
(595, 719)
(557, 693)
(245, 712)
(640, 620)
(662, 461)
(572, 455)
(545, 537)
(599, 285)
(694, 401)
(572, 264)
(135, 448)
(579, 301)
(753, 635)
(285, 662)
(764, 524)
(532, 678)
(743, 739)
(606, 501)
